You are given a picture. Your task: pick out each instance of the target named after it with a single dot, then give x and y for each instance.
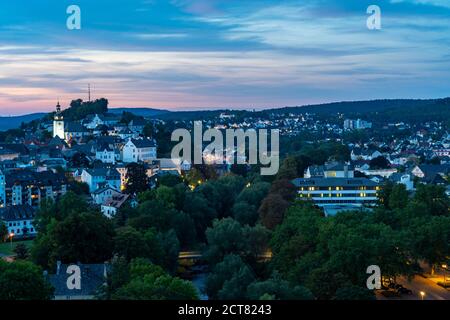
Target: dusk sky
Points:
(194, 54)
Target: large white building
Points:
(338, 194)
(136, 150)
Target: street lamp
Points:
(422, 294)
(11, 235)
(444, 266)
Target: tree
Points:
(22, 280)
(85, 237)
(379, 162)
(130, 243)
(272, 210)
(398, 199)
(79, 187)
(21, 251)
(430, 238)
(3, 231)
(288, 169)
(229, 279)
(225, 237)
(150, 282)
(245, 213)
(434, 198)
(136, 178)
(278, 289)
(197, 207)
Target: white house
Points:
(111, 206)
(136, 150)
(105, 154)
(104, 194)
(97, 178)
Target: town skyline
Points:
(221, 54)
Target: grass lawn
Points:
(5, 247)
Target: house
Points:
(429, 171)
(74, 131)
(93, 121)
(99, 177)
(126, 134)
(111, 206)
(137, 125)
(19, 220)
(93, 277)
(136, 150)
(403, 178)
(105, 154)
(338, 193)
(104, 194)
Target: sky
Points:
(208, 54)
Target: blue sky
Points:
(194, 54)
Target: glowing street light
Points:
(422, 294)
(11, 235)
(444, 266)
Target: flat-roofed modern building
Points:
(343, 193)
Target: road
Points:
(418, 284)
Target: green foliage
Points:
(227, 236)
(79, 109)
(379, 163)
(136, 178)
(3, 231)
(21, 251)
(22, 280)
(277, 289)
(272, 210)
(229, 279)
(86, 237)
(146, 281)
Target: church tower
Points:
(58, 123)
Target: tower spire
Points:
(89, 92)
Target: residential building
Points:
(111, 206)
(24, 186)
(403, 178)
(104, 194)
(101, 177)
(105, 154)
(136, 150)
(19, 220)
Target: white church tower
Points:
(58, 123)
